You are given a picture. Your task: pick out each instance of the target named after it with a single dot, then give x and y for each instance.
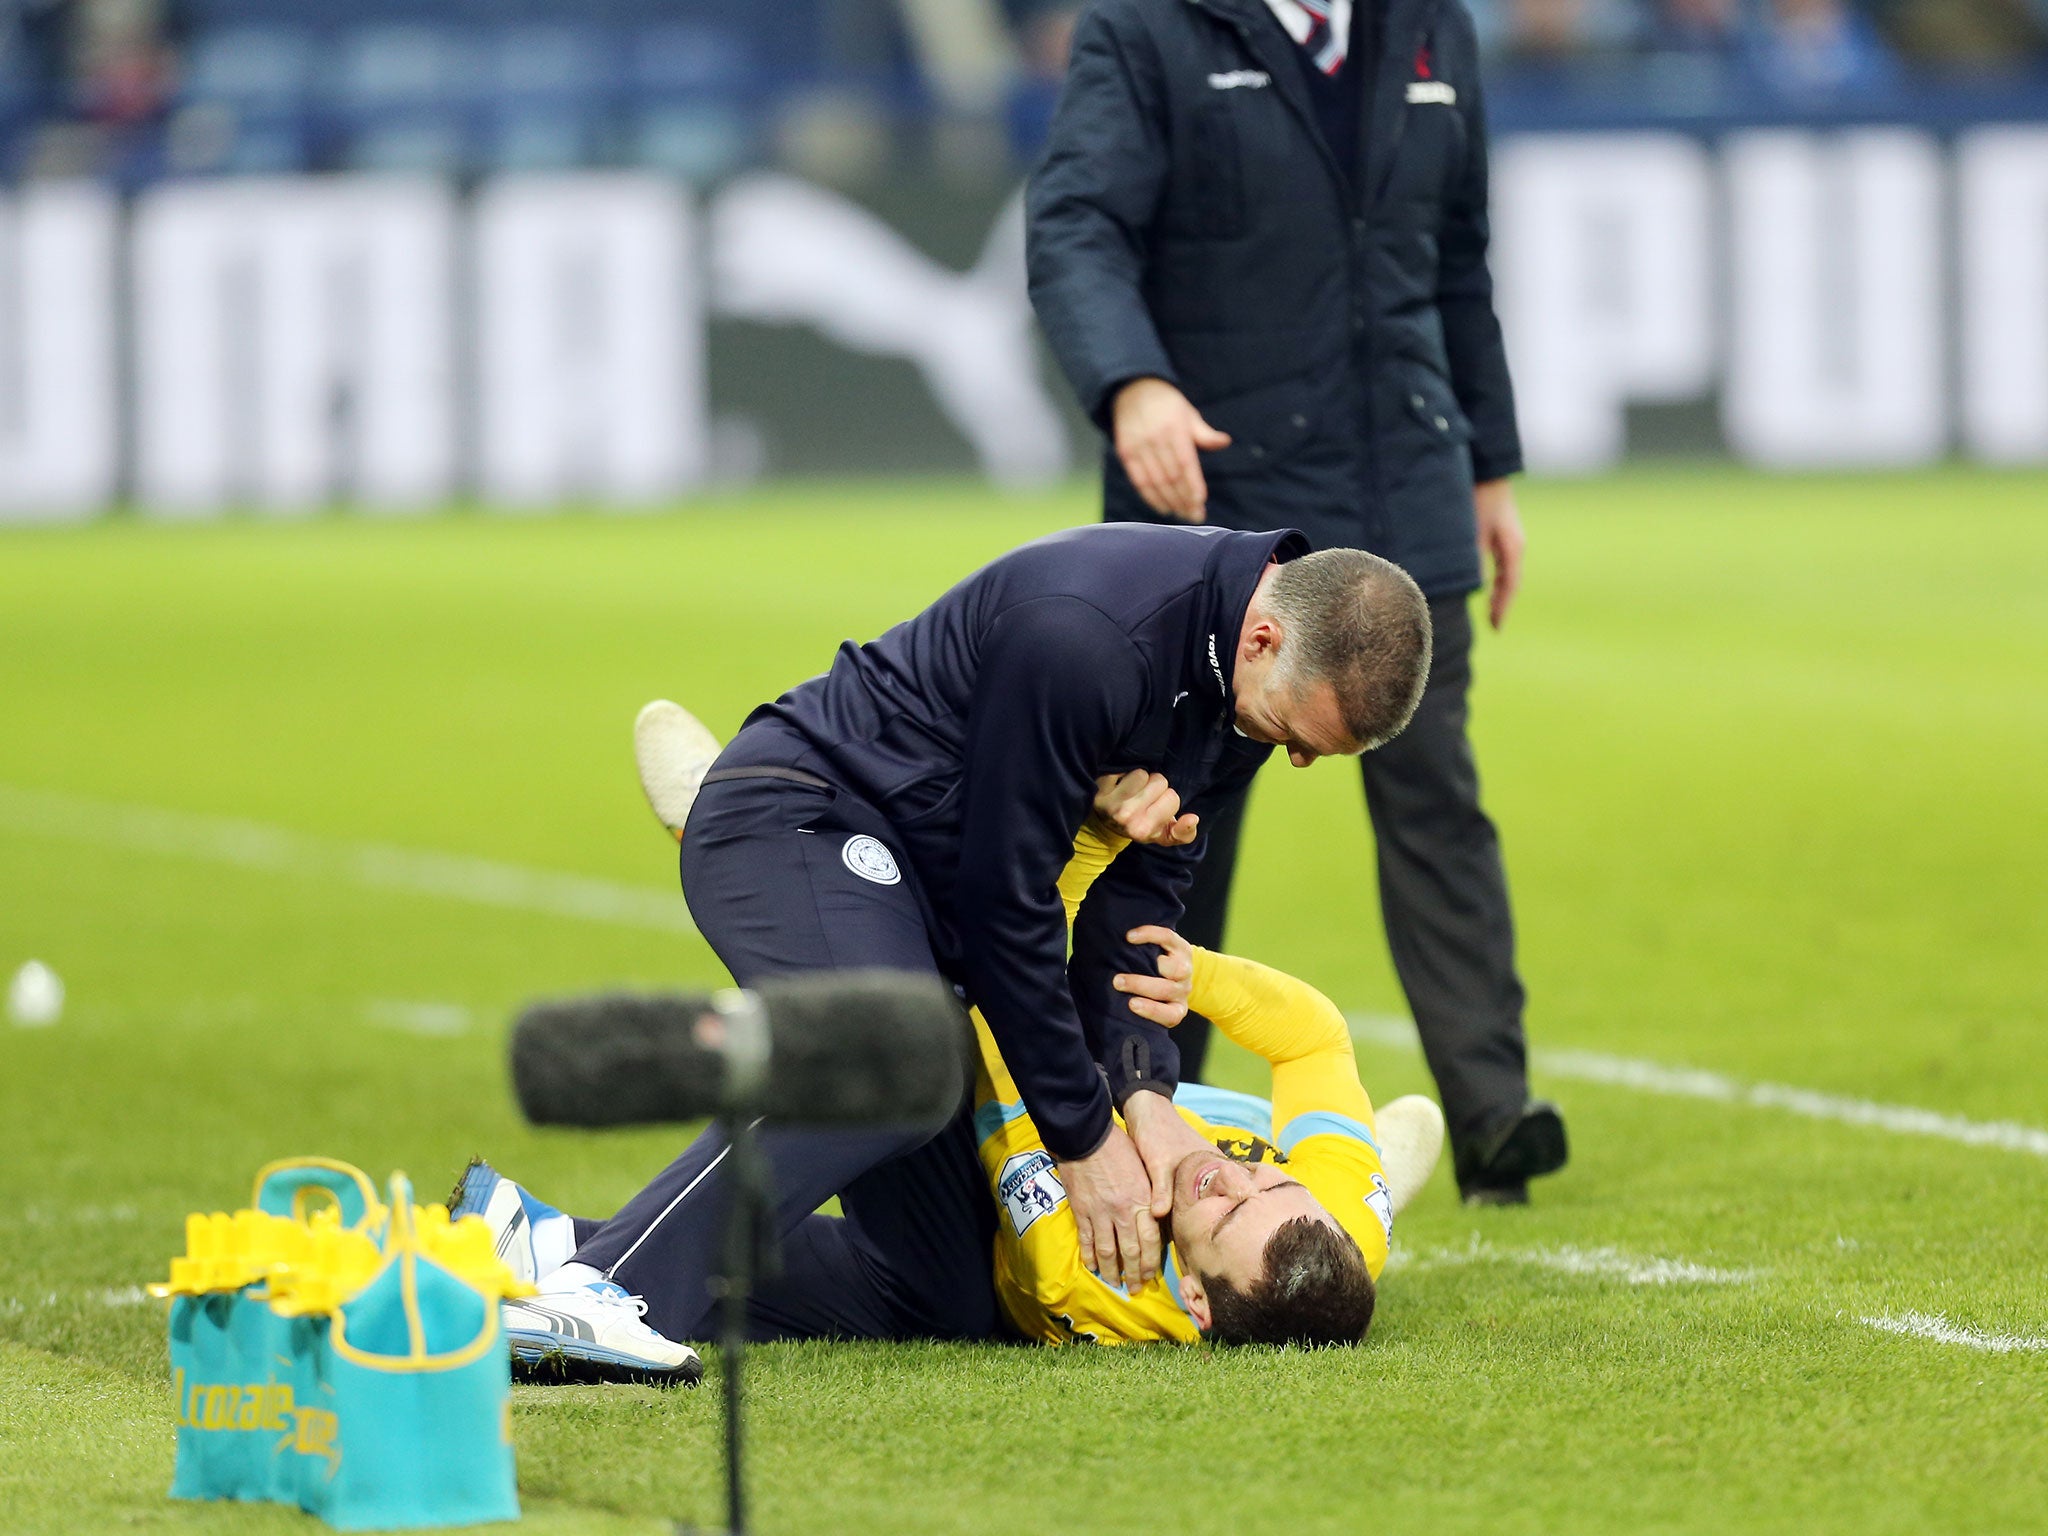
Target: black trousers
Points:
(1443, 895)
(784, 876)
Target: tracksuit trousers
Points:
(771, 883)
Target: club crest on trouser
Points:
(868, 858)
(1030, 1188)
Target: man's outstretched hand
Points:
(1144, 808)
(1114, 1201)
(1160, 438)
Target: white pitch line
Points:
(1612, 1263)
(487, 882)
(72, 1215)
(1693, 1083)
(1919, 1325)
(114, 1296)
(435, 1020)
(278, 850)
(1596, 1263)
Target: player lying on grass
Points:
(1283, 1209)
(859, 1275)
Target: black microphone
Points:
(830, 1048)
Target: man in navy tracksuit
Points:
(1257, 244)
(913, 809)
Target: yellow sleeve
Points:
(1268, 1012)
(1322, 1117)
(1094, 851)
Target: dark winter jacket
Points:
(1189, 222)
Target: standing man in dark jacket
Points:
(1258, 247)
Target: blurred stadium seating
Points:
(1862, 283)
(465, 87)
(138, 89)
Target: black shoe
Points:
(1531, 1145)
(1476, 1191)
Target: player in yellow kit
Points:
(1282, 1211)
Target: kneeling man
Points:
(1282, 1210)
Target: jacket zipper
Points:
(1367, 199)
(1243, 30)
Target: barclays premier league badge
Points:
(1381, 1203)
(866, 857)
(1030, 1188)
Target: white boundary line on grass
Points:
(436, 1021)
(1919, 1325)
(1568, 1259)
(278, 850)
(1691, 1083)
(112, 1296)
(487, 882)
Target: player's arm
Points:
(1300, 1032)
(1058, 686)
(1146, 886)
(1095, 849)
(1276, 1017)
(1322, 1117)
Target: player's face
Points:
(1224, 1212)
(1307, 724)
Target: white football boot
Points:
(594, 1333)
(674, 751)
(1411, 1137)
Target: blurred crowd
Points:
(138, 89)
(1793, 48)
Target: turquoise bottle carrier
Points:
(344, 1355)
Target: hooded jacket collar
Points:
(1229, 578)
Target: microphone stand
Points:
(738, 1027)
(748, 1254)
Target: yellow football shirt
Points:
(1319, 1123)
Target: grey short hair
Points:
(1360, 624)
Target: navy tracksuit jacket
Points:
(914, 808)
(978, 729)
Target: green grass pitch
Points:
(1768, 756)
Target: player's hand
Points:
(1163, 998)
(1162, 1139)
(1144, 808)
(1502, 542)
(1159, 437)
(1112, 1195)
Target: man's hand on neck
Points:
(1107, 1192)
(1162, 1139)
